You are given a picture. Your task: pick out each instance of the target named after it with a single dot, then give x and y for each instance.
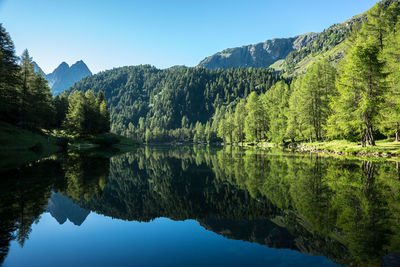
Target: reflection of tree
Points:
(24, 193)
(347, 210)
(355, 203)
(86, 175)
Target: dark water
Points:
(198, 206)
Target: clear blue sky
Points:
(113, 33)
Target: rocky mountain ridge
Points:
(260, 55)
(64, 76)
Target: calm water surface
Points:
(199, 206)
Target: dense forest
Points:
(26, 100)
(149, 104)
(355, 99)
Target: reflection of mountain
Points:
(62, 208)
(149, 184)
(260, 231)
(346, 210)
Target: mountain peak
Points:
(63, 66)
(64, 75)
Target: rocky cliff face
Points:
(64, 76)
(260, 55)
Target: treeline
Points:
(356, 100)
(26, 100)
(155, 105)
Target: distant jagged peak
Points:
(65, 75)
(63, 65)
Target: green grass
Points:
(19, 146)
(13, 138)
(389, 147)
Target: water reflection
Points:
(346, 210)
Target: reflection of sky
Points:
(103, 241)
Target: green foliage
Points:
(168, 101)
(9, 79)
(86, 114)
(325, 41)
(26, 99)
(311, 97)
(256, 120)
(361, 87)
(276, 104)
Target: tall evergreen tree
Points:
(9, 79)
(28, 76)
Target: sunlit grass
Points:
(382, 147)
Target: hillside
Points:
(141, 97)
(292, 55)
(328, 44)
(260, 55)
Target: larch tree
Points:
(276, 103)
(256, 119)
(361, 88)
(239, 121)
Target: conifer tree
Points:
(27, 75)
(9, 79)
(75, 118)
(239, 121)
(361, 87)
(276, 101)
(256, 119)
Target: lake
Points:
(199, 206)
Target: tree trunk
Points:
(397, 132)
(371, 140)
(363, 138)
(398, 170)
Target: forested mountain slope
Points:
(353, 100)
(144, 97)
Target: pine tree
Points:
(10, 96)
(28, 76)
(60, 103)
(41, 102)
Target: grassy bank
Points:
(383, 148)
(19, 146)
